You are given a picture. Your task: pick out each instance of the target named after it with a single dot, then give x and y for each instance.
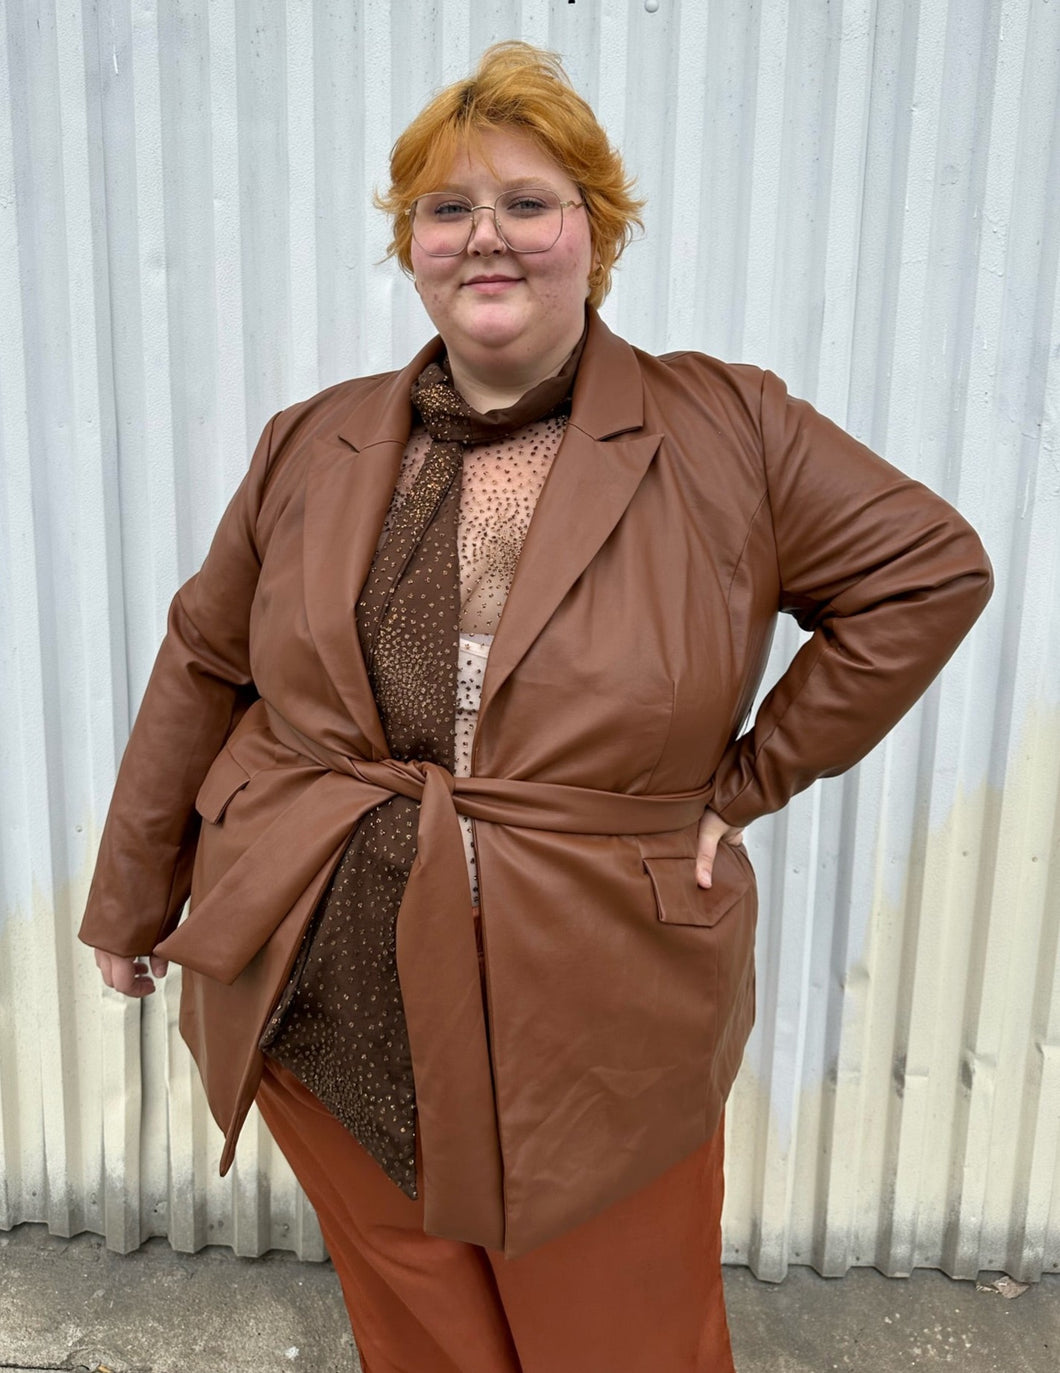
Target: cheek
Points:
(429, 277)
(425, 268)
(568, 271)
(566, 267)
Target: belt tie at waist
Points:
(437, 957)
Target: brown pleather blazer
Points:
(689, 502)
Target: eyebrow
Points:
(517, 183)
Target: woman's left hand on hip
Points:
(713, 830)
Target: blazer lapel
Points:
(349, 485)
(351, 480)
(593, 479)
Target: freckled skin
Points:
(503, 341)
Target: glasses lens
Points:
(529, 220)
(441, 224)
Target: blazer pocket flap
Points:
(679, 898)
(225, 778)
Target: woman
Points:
(506, 1104)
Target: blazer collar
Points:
(608, 390)
(384, 415)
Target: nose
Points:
(484, 236)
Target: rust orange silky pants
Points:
(638, 1289)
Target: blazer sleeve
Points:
(198, 688)
(886, 576)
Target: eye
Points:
(527, 204)
(449, 209)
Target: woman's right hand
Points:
(130, 976)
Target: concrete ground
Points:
(71, 1306)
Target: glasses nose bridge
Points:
(491, 220)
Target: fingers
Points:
(713, 830)
(129, 976)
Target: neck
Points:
(497, 384)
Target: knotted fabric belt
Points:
(437, 956)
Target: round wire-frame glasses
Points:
(533, 217)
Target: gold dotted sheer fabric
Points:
(442, 570)
(500, 485)
(499, 491)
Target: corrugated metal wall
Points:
(863, 196)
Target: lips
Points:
(493, 282)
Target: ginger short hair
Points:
(521, 89)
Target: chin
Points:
(493, 333)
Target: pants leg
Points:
(417, 1304)
(637, 1288)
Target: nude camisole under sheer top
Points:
(500, 484)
